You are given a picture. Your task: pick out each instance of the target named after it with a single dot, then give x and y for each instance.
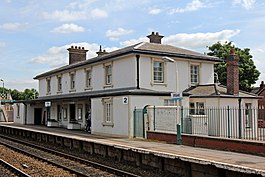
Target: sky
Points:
(35, 35)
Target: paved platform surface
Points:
(222, 159)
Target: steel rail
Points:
(13, 169)
(74, 158)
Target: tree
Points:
(30, 94)
(27, 94)
(16, 95)
(248, 74)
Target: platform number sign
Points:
(48, 104)
(125, 100)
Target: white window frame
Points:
(194, 77)
(18, 110)
(169, 102)
(64, 112)
(158, 72)
(88, 79)
(248, 115)
(59, 84)
(108, 74)
(48, 86)
(108, 112)
(79, 112)
(72, 77)
(197, 108)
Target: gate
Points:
(139, 125)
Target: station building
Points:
(111, 85)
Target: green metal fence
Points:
(228, 122)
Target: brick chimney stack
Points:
(76, 54)
(155, 38)
(232, 68)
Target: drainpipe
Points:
(25, 113)
(137, 72)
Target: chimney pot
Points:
(101, 52)
(232, 52)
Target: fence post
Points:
(154, 118)
(228, 120)
(134, 122)
(239, 118)
(181, 118)
(143, 112)
(179, 139)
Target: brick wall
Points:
(242, 146)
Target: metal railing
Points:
(228, 122)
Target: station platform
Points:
(238, 162)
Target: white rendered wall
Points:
(120, 118)
(207, 73)
(42, 87)
(21, 117)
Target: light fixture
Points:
(165, 58)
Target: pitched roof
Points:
(100, 93)
(140, 48)
(214, 90)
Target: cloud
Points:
(2, 44)
(193, 6)
(98, 13)
(155, 11)
(195, 41)
(247, 4)
(69, 15)
(21, 84)
(58, 55)
(12, 26)
(114, 34)
(134, 41)
(68, 28)
(258, 54)
(199, 40)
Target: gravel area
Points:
(29, 165)
(6, 172)
(123, 165)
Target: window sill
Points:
(159, 84)
(110, 124)
(88, 88)
(59, 92)
(72, 90)
(194, 84)
(49, 93)
(107, 86)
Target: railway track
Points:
(75, 165)
(10, 170)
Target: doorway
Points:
(37, 116)
(72, 113)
